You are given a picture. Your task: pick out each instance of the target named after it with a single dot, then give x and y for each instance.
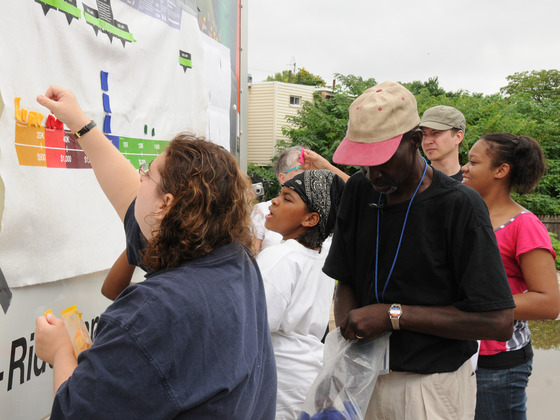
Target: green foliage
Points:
(556, 246)
(266, 175)
(531, 106)
(538, 203)
(302, 77)
(537, 84)
(432, 87)
(353, 85)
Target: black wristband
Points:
(85, 129)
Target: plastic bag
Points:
(343, 388)
(76, 329)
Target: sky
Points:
(469, 45)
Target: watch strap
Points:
(85, 129)
(395, 312)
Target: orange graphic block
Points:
(30, 145)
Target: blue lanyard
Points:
(400, 239)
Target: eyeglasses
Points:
(144, 170)
(295, 168)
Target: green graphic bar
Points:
(185, 62)
(127, 36)
(138, 151)
(64, 7)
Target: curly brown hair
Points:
(210, 206)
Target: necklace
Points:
(400, 239)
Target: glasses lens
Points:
(144, 168)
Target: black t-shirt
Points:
(458, 176)
(448, 256)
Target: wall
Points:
(260, 123)
(269, 105)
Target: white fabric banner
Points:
(143, 70)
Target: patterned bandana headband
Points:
(316, 189)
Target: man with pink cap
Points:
(414, 253)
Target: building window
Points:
(295, 100)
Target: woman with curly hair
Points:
(499, 163)
(192, 339)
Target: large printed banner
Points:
(144, 70)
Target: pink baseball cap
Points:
(378, 119)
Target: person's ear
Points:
(282, 178)
(502, 171)
(311, 219)
(416, 138)
(459, 137)
(164, 206)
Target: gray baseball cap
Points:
(443, 117)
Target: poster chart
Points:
(144, 70)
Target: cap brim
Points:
(436, 125)
(353, 153)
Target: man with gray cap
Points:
(414, 253)
(443, 128)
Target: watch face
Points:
(395, 311)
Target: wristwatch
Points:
(395, 312)
(86, 128)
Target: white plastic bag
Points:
(343, 388)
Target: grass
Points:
(545, 335)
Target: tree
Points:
(353, 85)
(537, 84)
(432, 86)
(321, 125)
(302, 77)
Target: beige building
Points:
(269, 103)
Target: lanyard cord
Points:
(400, 239)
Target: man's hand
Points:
(366, 322)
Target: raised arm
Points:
(118, 278)
(316, 161)
(116, 175)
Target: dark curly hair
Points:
(524, 156)
(210, 206)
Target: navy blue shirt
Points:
(188, 342)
